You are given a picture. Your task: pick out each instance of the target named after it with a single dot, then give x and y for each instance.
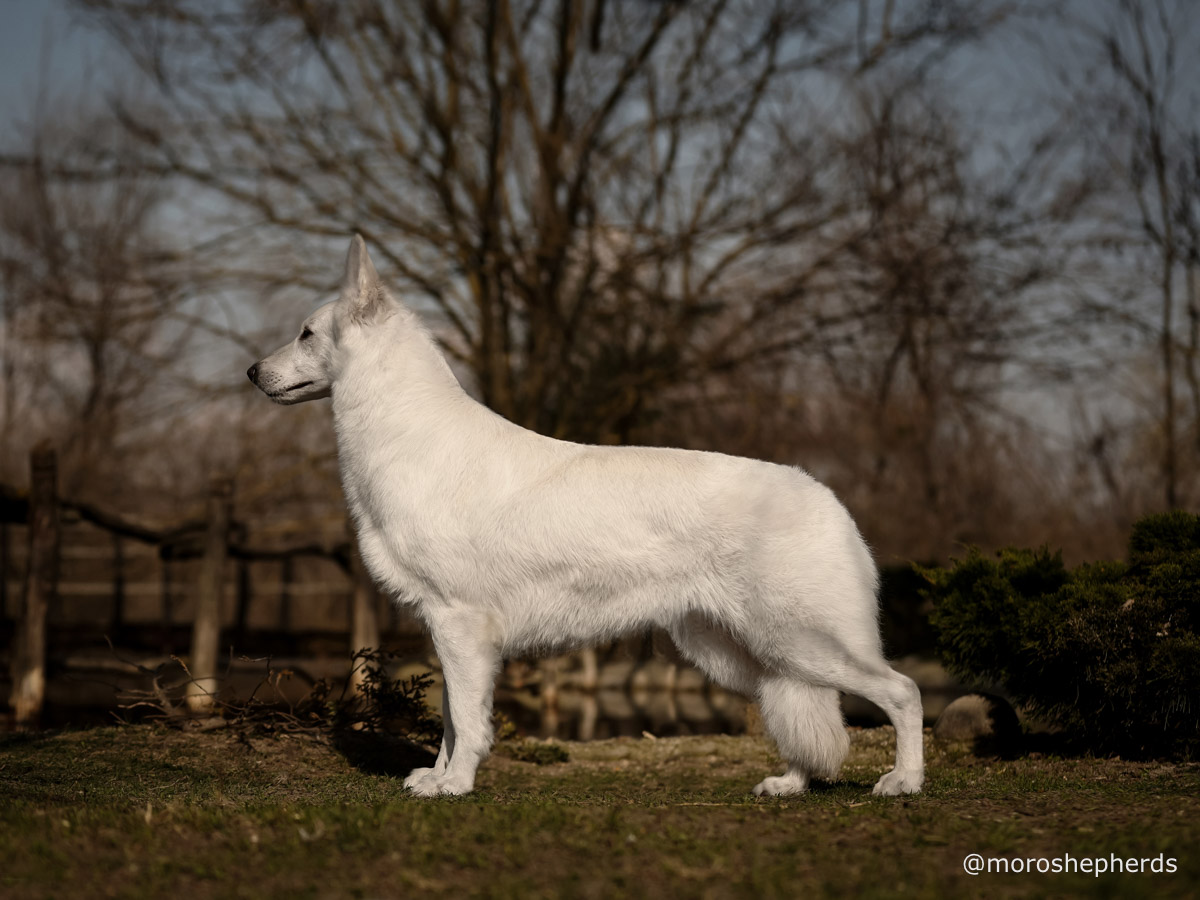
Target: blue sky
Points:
(41, 48)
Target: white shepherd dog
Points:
(507, 542)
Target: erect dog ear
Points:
(362, 291)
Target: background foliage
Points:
(1109, 651)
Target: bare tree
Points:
(87, 298)
(593, 196)
(931, 315)
(1136, 107)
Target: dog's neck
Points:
(395, 380)
(403, 420)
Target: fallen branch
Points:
(329, 709)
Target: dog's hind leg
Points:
(470, 663)
(898, 696)
(805, 721)
(822, 660)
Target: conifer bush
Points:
(1108, 651)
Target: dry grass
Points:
(147, 812)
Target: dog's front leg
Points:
(470, 661)
(417, 776)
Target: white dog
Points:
(507, 542)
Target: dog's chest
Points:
(408, 535)
(394, 564)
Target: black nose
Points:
(252, 373)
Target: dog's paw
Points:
(417, 777)
(427, 783)
(439, 787)
(895, 783)
(426, 788)
(781, 786)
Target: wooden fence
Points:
(216, 588)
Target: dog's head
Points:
(304, 369)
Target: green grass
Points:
(146, 812)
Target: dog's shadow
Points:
(381, 754)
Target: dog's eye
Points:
(306, 334)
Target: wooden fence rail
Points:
(182, 541)
(213, 540)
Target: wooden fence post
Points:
(364, 613)
(117, 622)
(3, 568)
(243, 600)
(29, 644)
(589, 676)
(210, 587)
(165, 589)
(285, 594)
(550, 668)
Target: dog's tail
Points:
(806, 723)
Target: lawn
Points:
(142, 811)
